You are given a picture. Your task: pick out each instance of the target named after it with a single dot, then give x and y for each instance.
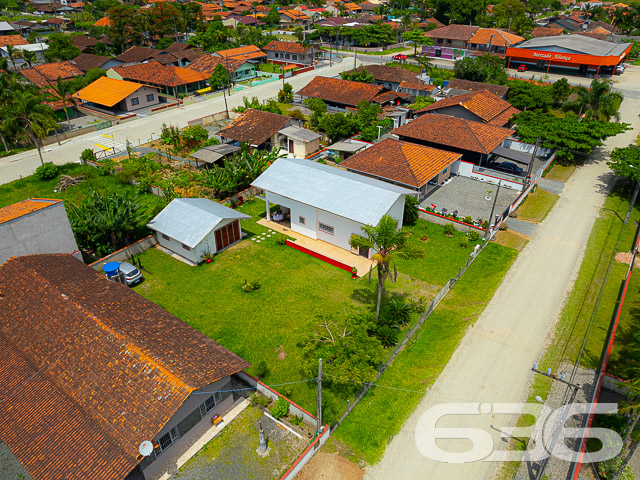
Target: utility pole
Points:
(493, 207)
(228, 75)
(319, 415)
(355, 56)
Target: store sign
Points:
(550, 56)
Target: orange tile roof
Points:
(246, 53)
(103, 22)
(538, 32)
(295, 14)
(401, 162)
(25, 207)
(454, 132)
(12, 40)
(289, 47)
(484, 104)
(48, 73)
(156, 74)
(207, 63)
(107, 91)
(500, 39)
(336, 90)
(254, 127)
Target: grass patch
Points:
(270, 68)
(575, 316)
(285, 37)
(511, 239)
(537, 205)
(560, 173)
(374, 422)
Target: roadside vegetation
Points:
(537, 206)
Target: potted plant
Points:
(207, 256)
(354, 273)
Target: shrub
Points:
(387, 335)
(609, 467)
(251, 286)
(294, 420)
(87, 154)
(473, 236)
(280, 409)
(399, 311)
(261, 370)
(503, 226)
(468, 220)
(194, 135)
(281, 239)
(465, 242)
(448, 229)
(419, 305)
(47, 171)
(411, 212)
(258, 400)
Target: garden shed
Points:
(300, 142)
(191, 227)
(328, 203)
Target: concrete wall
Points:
(397, 210)
(190, 404)
(123, 255)
(141, 95)
(343, 229)
(302, 149)
(44, 231)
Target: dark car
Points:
(507, 167)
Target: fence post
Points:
(459, 272)
(348, 407)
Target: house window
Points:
(301, 220)
(286, 56)
(186, 247)
(150, 97)
(295, 57)
(325, 228)
(444, 171)
(167, 440)
(166, 237)
(276, 54)
(135, 101)
(210, 403)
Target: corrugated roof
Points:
(189, 220)
(401, 162)
(298, 133)
(577, 44)
(107, 91)
(25, 207)
(349, 195)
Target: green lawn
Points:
(537, 205)
(270, 68)
(296, 290)
(559, 172)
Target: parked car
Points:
(507, 167)
(522, 68)
(620, 69)
(399, 57)
(131, 274)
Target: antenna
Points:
(145, 448)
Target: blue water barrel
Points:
(111, 269)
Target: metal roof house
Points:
(300, 142)
(191, 227)
(328, 203)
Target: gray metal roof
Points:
(213, 153)
(6, 27)
(189, 220)
(515, 155)
(351, 147)
(298, 133)
(577, 43)
(349, 195)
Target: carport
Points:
(517, 156)
(214, 153)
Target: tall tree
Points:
(61, 48)
(417, 37)
(28, 112)
(388, 243)
(597, 102)
(625, 162)
(64, 91)
(29, 57)
(12, 53)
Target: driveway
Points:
(493, 362)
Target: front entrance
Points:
(363, 252)
(227, 235)
(290, 146)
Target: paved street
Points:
(493, 362)
(141, 130)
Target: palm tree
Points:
(64, 91)
(12, 53)
(29, 57)
(27, 113)
(389, 243)
(597, 102)
(425, 63)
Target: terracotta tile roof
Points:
(56, 21)
(25, 207)
(388, 96)
(483, 36)
(141, 54)
(254, 127)
(401, 162)
(352, 6)
(248, 52)
(546, 32)
(103, 22)
(156, 74)
(431, 21)
(107, 91)
(336, 90)
(294, 15)
(47, 74)
(12, 40)
(487, 106)
(83, 41)
(416, 86)
(453, 32)
(382, 73)
(91, 369)
(87, 61)
(597, 36)
(289, 47)
(207, 63)
(454, 132)
(471, 86)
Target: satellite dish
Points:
(146, 448)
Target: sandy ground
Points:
(330, 466)
(493, 362)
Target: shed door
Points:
(227, 235)
(290, 146)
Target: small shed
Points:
(300, 142)
(214, 153)
(346, 148)
(191, 227)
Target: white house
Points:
(191, 227)
(328, 203)
(300, 142)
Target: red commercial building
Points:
(583, 54)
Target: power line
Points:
(375, 385)
(253, 388)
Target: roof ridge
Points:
(401, 145)
(474, 134)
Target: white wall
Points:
(176, 247)
(343, 228)
(297, 209)
(397, 210)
